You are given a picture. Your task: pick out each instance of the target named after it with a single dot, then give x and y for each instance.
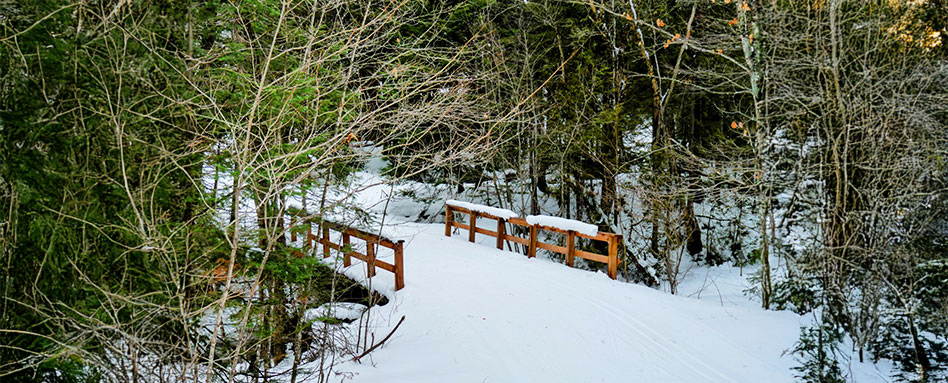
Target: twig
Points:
(379, 344)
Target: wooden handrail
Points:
(371, 240)
(533, 242)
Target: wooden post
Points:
(501, 232)
(448, 220)
(473, 227)
(613, 256)
(325, 241)
(370, 255)
(399, 266)
(532, 251)
(346, 259)
(570, 247)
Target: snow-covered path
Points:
(477, 314)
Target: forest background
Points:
(809, 137)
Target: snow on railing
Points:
(535, 223)
(563, 224)
(494, 211)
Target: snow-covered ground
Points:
(478, 314)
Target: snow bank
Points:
(563, 224)
(496, 212)
(338, 310)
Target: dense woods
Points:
(151, 154)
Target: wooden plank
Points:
(601, 236)
(485, 215)
(613, 257)
(592, 256)
(292, 232)
(361, 234)
(380, 264)
(472, 231)
(326, 242)
(551, 247)
(399, 267)
(550, 228)
(370, 263)
(384, 265)
(460, 209)
(519, 221)
(476, 230)
(532, 251)
(513, 238)
(346, 260)
(501, 228)
(359, 256)
(448, 220)
(570, 247)
(371, 238)
(329, 244)
(486, 232)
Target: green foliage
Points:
(795, 294)
(817, 352)
(924, 321)
(59, 370)
(894, 342)
(81, 146)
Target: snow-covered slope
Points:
(477, 314)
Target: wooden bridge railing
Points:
(371, 241)
(532, 243)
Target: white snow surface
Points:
(338, 310)
(494, 211)
(477, 314)
(563, 224)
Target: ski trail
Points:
(475, 314)
(654, 338)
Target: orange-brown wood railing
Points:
(371, 242)
(533, 243)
